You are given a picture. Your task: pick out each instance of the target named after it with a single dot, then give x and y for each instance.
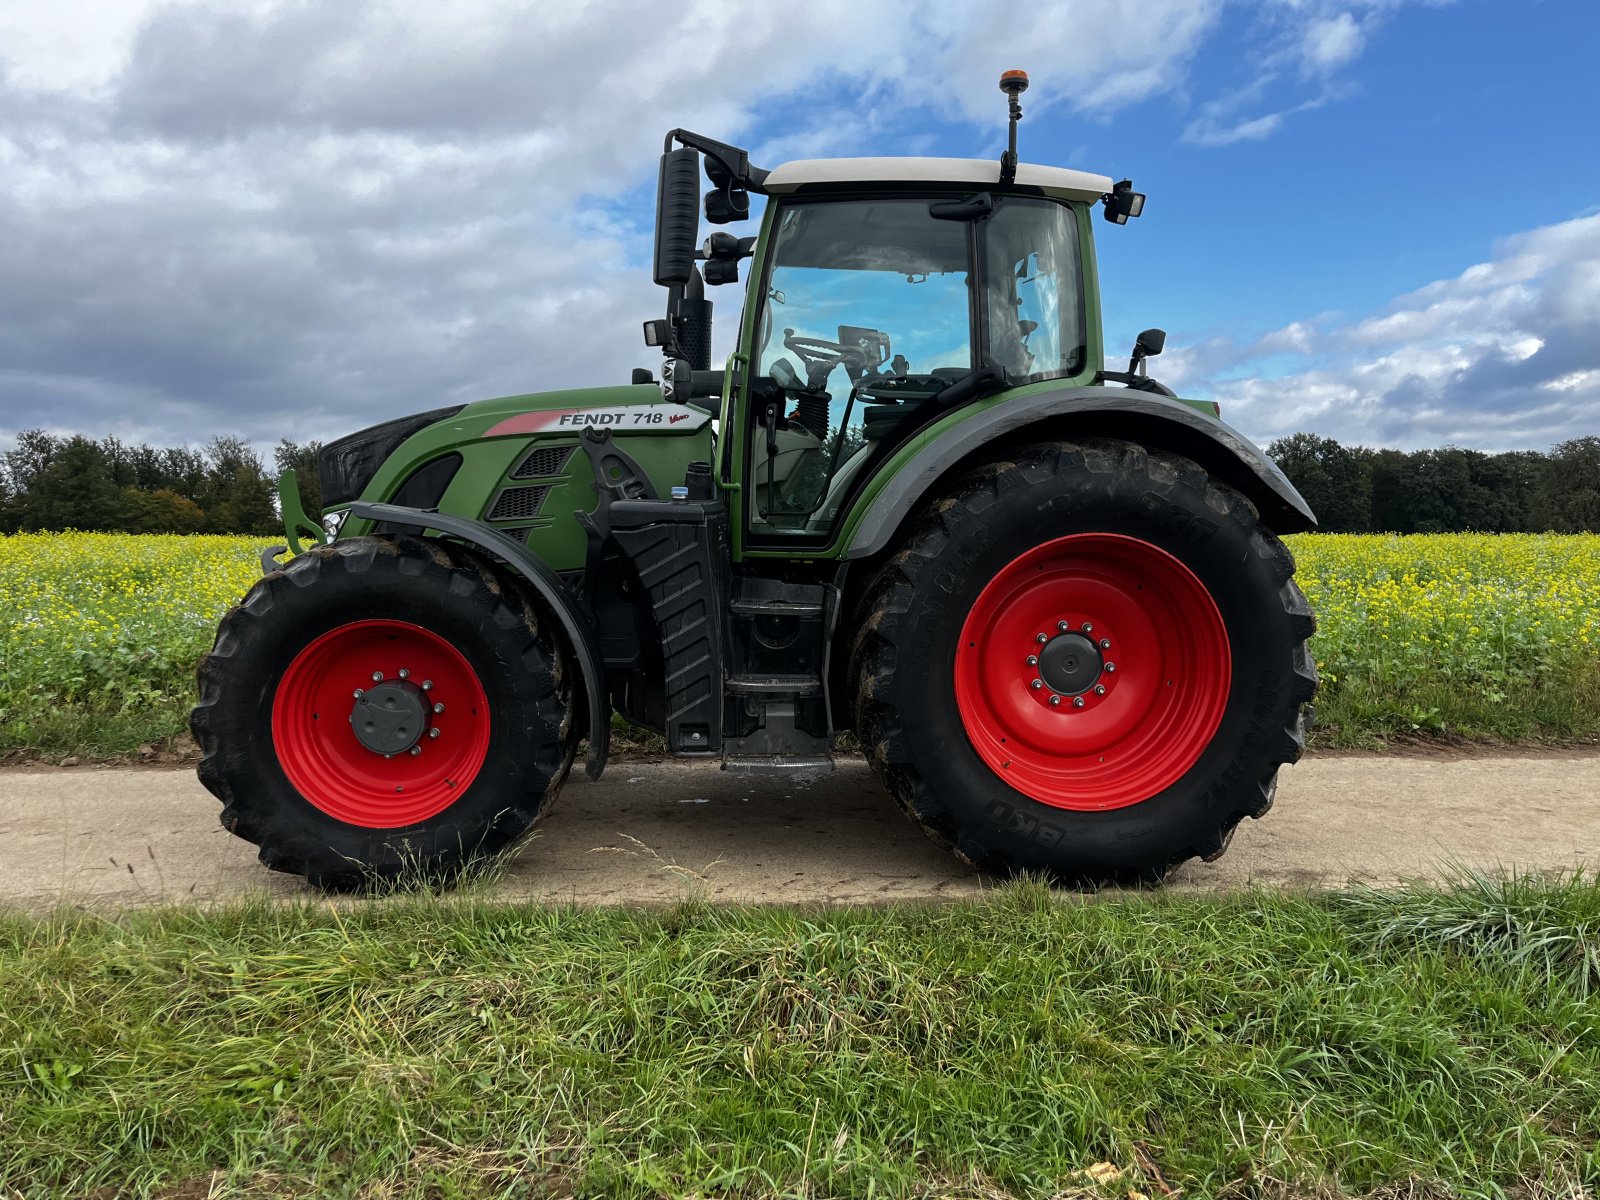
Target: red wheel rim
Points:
(328, 764)
(1092, 671)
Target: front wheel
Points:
(382, 710)
(1088, 661)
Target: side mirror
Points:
(677, 216)
(1148, 344)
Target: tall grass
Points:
(1441, 1041)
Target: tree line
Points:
(53, 483)
(49, 482)
(1354, 489)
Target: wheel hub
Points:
(391, 717)
(1070, 664)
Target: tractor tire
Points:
(382, 711)
(1088, 662)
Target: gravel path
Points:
(656, 832)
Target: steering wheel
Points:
(816, 352)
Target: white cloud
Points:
(293, 217)
(1506, 355)
(1331, 42)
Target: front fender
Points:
(1059, 412)
(547, 585)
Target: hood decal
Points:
(622, 418)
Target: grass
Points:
(1458, 636)
(1433, 1042)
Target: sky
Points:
(1375, 220)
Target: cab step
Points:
(787, 765)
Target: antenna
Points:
(1013, 84)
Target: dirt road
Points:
(659, 832)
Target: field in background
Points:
(1476, 636)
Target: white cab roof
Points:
(1055, 181)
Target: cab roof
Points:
(1060, 182)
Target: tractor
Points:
(1048, 600)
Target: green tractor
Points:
(1049, 600)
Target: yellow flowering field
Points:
(1478, 635)
(110, 626)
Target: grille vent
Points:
(519, 534)
(543, 462)
(518, 504)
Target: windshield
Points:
(860, 292)
(868, 316)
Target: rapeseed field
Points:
(1479, 636)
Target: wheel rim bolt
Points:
(1110, 668)
(1105, 643)
(1099, 689)
(1077, 702)
(1042, 638)
(438, 708)
(1087, 628)
(405, 673)
(1054, 700)
(427, 685)
(360, 692)
(1036, 684)
(434, 732)
(416, 750)
(1033, 660)
(1062, 627)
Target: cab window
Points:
(860, 293)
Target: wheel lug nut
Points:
(377, 677)
(427, 685)
(1033, 660)
(1062, 627)
(360, 693)
(1077, 702)
(416, 750)
(438, 708)
(1054, 701)
(1110, 667)
(1041, 639)
(1087, 628)
(434, 732)
(405, 673)
(1099, 689)
(1105, 643)
(1036, 684)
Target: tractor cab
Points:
(882, 294)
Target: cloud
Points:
(1504, 356)
(1331, 42)
(276, 217)
(1291, 45)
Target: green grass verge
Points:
(1446, 1041)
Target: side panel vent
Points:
(517, 504)
(543, 462)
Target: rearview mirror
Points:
(1150, 343)
(677, 216)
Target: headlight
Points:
(333, 522)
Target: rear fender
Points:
(547, 585)
(1152, 420)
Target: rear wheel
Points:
(1088, 661)
(382, 710)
